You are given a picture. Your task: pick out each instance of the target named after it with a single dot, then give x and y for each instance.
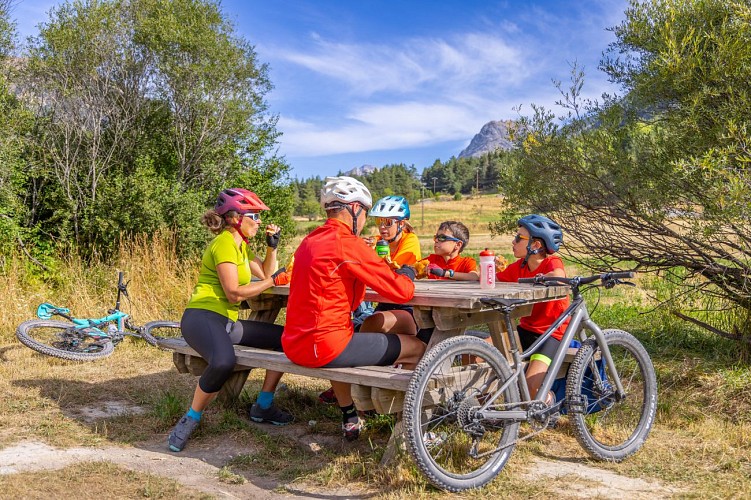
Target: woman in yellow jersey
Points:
(210, 322)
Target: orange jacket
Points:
(332, 268)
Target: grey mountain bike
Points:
(465, 403)
(87, 339)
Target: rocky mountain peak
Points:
(361, 170)
(493, 135)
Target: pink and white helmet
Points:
(240, 200)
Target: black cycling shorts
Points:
(546, 351)
(369, 349)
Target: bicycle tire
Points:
(606, 428)
(41, 335)
(154, 330)
(438, 414)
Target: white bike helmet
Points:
(345, 190)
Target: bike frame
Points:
(580, 322)
(116, 315)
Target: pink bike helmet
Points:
(240, 200)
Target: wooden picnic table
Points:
(448, 306)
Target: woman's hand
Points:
(273, 235)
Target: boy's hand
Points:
(500, 263)
(421, 268)
(436, 270)
(393, 265)
(370, 241)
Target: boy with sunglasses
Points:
(445, 262)
(536, 240)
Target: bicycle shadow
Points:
(125, 412)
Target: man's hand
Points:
(407, 271)
(281, 277)
(273, 235)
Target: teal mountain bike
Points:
(87, 339)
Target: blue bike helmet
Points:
(545, 229)
(391, 207)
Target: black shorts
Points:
(546, 351)
(369, 349)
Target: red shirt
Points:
(459, 264)
(543, 313)
(332, 268)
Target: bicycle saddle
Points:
(46, 310)
(503, 302)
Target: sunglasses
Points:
(253, 216)
(383, 222)
(442, 237)
(520, 237)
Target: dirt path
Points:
(198, 468)
(582, 481)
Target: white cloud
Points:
(380, 127)
(371, 68)
(429, 90)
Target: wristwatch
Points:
(450, 272)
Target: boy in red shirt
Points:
(537, 239)
(445, 263)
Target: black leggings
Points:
(213, 335)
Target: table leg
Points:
(396, 441)
(230, 391)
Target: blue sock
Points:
(195, 415)
(265, 399)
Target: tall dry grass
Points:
(159, 284)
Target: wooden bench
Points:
(373, 387)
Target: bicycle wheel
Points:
(62, 340)
(608, 428)
(154, 330)
(453, 447)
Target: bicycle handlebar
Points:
(578, 280)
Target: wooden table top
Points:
(463, 295)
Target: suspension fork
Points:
(605, 352)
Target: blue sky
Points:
(379, 82)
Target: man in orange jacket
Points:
(332, 268)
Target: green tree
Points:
(150, 108)
(15, 125)
(657, 179)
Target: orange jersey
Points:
(458, 264)
(406, 250)
(543, 314)
(332, 269)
